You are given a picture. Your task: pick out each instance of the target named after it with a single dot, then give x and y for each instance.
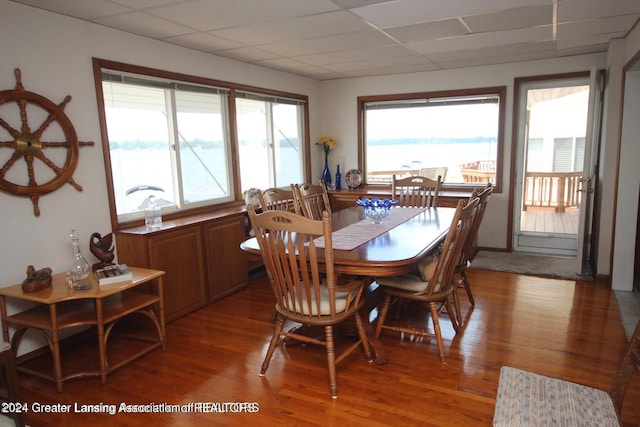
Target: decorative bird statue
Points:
(102, 248)
(36, 279)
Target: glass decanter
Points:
(79, 268)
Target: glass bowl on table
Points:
(376, 209)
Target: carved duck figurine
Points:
(36, 279)
(102, 247)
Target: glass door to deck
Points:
(554, 166)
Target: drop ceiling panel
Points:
(208, 15)
(365, 37)
(204, 42)
(579, 49)
(247, 54)
(386, 70)
(594, 43)
(140, 4)
(576, 10)
(484, 40)
(350, 4)
(282, 63)
(144, 25)
(488, 56)
(492, 53)
(407, 12)
(511, 19)
(385, 54)
(88, 9)
(358, 40)
(374, 64)
(294, 29)
(605, 29)
(428, 30)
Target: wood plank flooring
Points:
(565, 329)
(548, 221)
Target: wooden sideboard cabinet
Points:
(342, 199)
(201, 256)
(179, 252)
(227, 264)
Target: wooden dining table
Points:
(414, 234)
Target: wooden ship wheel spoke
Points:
(30, 146)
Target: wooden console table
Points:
(59, 307)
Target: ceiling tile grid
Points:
(331, 39)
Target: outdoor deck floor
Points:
(548, 221)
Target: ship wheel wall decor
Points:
(29, 145)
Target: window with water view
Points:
(167, 142)
(457, 136)
(171, 139)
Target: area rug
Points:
(529, 264)
(526, 398)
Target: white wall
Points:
(608, 164)
(628, 178)
(54, 54)
(628, 185)
(339, 115)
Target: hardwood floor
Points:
(570, 330)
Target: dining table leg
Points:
(373, 297)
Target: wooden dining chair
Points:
(278, 199)
(304, 293)
(435, 286)
(527, 398)
(416, 191)
(469, 249)
(313, 199)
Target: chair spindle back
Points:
(416, 191)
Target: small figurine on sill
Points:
(252, 196)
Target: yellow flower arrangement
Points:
(327, 143)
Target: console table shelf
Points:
(100, 307)
(75, 313)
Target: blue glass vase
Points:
(326, 174)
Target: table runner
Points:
(354, 235)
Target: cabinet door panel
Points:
(179, 254)
(227, 265)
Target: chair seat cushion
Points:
(325, 308)
(427, 266)
(528, 399)
(406, 282)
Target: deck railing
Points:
(480, 171)
(558, 190)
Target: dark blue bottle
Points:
(338, 178)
